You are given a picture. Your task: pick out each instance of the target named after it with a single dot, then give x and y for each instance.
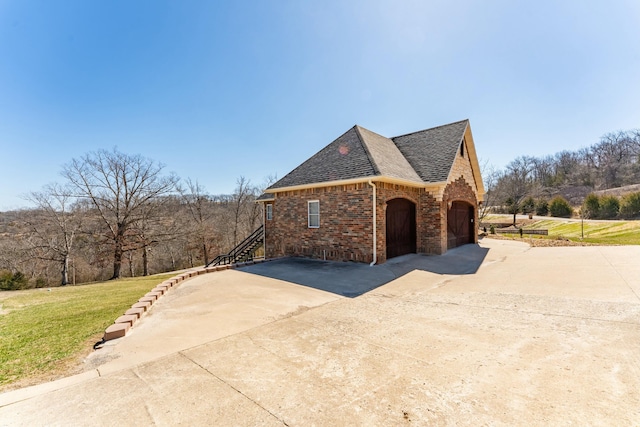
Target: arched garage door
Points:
(460, 227)
(401, 227)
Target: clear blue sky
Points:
(216, 90)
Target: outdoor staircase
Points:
(243, 252)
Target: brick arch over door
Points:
(460, 190)
(400, 227)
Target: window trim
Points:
(269, 211)
(309, 214)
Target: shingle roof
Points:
(424, 156)
(431, 152)
(344, 158)
(386, 157)
(265, 197)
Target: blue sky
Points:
(216, 90)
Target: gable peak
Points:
(433, 128)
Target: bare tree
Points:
(120, 187)
(516, 183)
(199, 206)
(54, 226)
(615, 159)
(490, 176)
(242, 192)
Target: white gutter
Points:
(381, 178)
(264, 229)
(375, 233)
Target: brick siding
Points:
(346, 226)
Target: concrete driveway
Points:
(354, 279)
(528, 336)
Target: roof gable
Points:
(424, 157)
(385, 156)
(431, 152)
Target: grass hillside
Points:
(596, 232)
(619, 191)
(43, 332)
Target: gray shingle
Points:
(431, 152)
(344, 158)
(386, 157)
(424, 156)
(265, 197)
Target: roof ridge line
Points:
(424, 130)
(376, 169)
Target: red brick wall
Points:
(429, 218)
(346, 228)
(433, 212)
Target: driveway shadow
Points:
(354, 279)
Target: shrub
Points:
(512, 206)
(591, 206)
(12, 281)
(542, 207)
(630, 206)
(559, 207)
(609, 207)
(529, 205)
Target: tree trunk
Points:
(117, 260)
(65, 271)
(205, 252)
(145, 260)
(514, 218)
(132, 272)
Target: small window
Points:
(269, 212)
(462, 148)
(313, 207)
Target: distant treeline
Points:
(612, 162)
(117, 215)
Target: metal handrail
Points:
(240, 250)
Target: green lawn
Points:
(598, 232)
(43, 331)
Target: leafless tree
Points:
(53, 226)
(516, 183)
(490, 176)
(615, 159)
(200, 209)
(120, 187)
(241, 195)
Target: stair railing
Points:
(243, 248)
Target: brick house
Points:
(368, 198)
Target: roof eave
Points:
(378, 178)
(265, 199)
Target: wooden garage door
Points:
(401, 227)
(460, 229)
